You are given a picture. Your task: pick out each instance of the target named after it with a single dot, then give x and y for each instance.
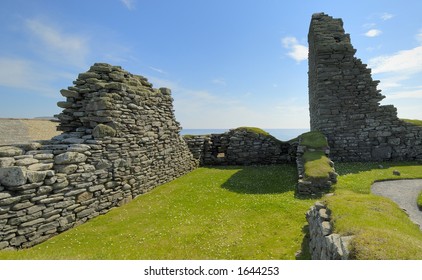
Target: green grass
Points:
(382, 230)
(314, 140)
(415, 122)
(316, 165)
(419, 201)
(210, 213)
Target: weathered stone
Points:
(69, 93)
(40, 166)
(7, 161)
(84, 197)
(36, 176)
(13, 176)
(10, 151)
(65, 169)
(102, 130)
(69, 158)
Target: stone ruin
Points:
(120, 139)
(344, 101)
(240, 146)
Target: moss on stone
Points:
(317, 165)
(314, 140)
(258, 131)
(102, 130)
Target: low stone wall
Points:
(240, 146)
(308, 185)
(121, 139)
(323, 243)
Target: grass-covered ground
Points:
(241, 213)
(211, 213)
(382, 230)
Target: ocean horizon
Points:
(283, 134)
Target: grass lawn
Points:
(210, 213)
(419, 201)
(382, 230)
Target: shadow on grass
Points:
(304, 253)
(261, 179)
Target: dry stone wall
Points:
(241, 146)
(120, 139)
(344, 101)
(323, 243)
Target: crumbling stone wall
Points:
(240, 146)
(120, 140)
(344, 101)
(323, 243)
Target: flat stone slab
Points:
(404, 193)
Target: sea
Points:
(283, 134)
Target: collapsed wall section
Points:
(120, 140)
(240, 146)
(344, 101)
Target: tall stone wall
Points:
(344, 101)
(120, 139)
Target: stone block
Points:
(69, 158)
(36, 176)
(102, 130)
(10, 151)
(13, 176)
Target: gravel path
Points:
(404, 193)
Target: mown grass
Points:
(210, 213)
(382, 230)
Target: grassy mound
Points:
(415, 122)
(314, 140)
(419, 201)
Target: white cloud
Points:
(129, 4)
(296, 51)
(403, 62)
(59, 46)
(386, 16)
(417, 93)
(373, 33)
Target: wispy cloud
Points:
(57, 45)
(23, 74)
(219, 81)
(386, 16)
(129, 4)
(296, 51)
(373, 33)
(158, 70)
(416, 93)
(404, 62)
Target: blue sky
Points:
(229, 63)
